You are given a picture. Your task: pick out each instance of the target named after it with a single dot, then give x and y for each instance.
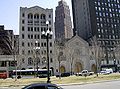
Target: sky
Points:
(9, 11)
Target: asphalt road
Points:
(102, 85)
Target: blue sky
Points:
(9, 11)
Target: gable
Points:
(37, 7)
(76, 41)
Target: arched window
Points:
(36, 16)
(43, 16)
(30, 16)
(30, 61)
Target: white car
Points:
(85, 73)
(107, 71)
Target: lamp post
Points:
(47, 34)
(36, 49)
(115, 64)
(15, 62)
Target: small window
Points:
(41, 44)
(49, 16)
(44, 44)
(31, 28)
(28, 44)
(49, 22)
(23, 15)
(23, 36)
(28, 28)
(23, 44)
(28, 36)
(38, 29)
(50, 51)
(23, 29)
(23, 21)
(50, 44)
(23, 52)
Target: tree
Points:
(60, 57)
(71, 59)
(96, 52)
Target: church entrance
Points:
(78, 67)
(93, 68)
(62, 69)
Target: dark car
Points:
(42, 86)
(66, 74)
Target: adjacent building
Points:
(7, 42)
(100, 18)
(32, 45)
(63, 24)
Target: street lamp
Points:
(36, 49)
(115, 64)
(47, 35)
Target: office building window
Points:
(23, 36)
(23, 15)
(51, 60)
(23, 52)
(50, 44)
(23, 21)
(23, 29)
(23, 44)
(49, 16)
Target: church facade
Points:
(73, 55)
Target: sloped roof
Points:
(78, 38)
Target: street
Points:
(102, 85)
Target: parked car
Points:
(3, 75)
(65, 74)
(106, 71)
(42, 86)
(84, 73)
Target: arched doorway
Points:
(93, 68)
(78, 67)
(62, 69)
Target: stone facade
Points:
(72, 55)
(32, 44)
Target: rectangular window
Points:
(23, 44)
(23, 21)
(22, 36)
(28, 28)
(23, 29)
(49, 16)
(23, 15)
(50, 44)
